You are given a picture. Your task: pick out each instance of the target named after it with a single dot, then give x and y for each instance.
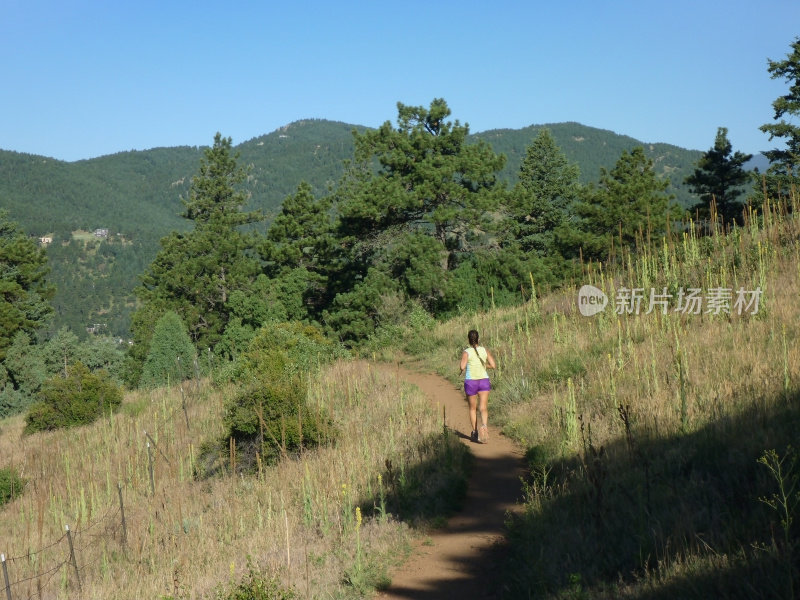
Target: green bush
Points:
(280, 350)
(11, 485)
(269, 418)
(255, 586)
(272, 418)
(77, 399)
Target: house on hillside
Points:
(45, 240)
(96, 328)
(101, 233)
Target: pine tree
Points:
(785, 169)
(429, 180)
(719, 178)
(548, 186)
(420, 181)
(24, 291)
(300, 235)
(300, 245)
(23, 372)
(195, 273)
(630, 203)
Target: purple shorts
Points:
(473, 386)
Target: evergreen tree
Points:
(540, 202)
(786, 160)
(195, 273)
(24, 291)
(300, 235)
(61, 351)
(719, 178)
(171, 354)
(300, 244)
(429, 180)
(630, 203)
(423, 182)
(103, 353)
(355, 314)
(21, 374)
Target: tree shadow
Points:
(678, 516)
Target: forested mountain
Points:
(593, 149)
(136, 196)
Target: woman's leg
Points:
(473, 411)
(483, 403)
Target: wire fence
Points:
(61, 566)
(78, 541)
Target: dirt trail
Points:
(457, 560)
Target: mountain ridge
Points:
(361, 127)
(310, 149)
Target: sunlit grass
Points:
(311, 521)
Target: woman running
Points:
(476, 360)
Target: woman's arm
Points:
(464, 360)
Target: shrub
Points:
(269, 417)
(77, 399)
(272, 419)
(11, 485)
(255, 586)
(281, 349)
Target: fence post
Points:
(73, 559)
(122, 511)
(183, 406)
(5, 577)
(152, 441)
(150, 466)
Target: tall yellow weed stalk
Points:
(294, 520)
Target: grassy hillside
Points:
(326, 525)
(662, 449)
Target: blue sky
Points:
(85, 78)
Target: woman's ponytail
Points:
(472, 337)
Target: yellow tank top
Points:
(475, 368)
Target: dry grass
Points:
(641, 360)
(297, 519)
